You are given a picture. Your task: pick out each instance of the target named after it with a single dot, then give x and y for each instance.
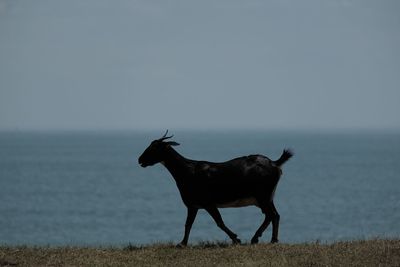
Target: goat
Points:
(243, 181)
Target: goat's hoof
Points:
(181, 245)
(254, 240)
(236, 241)
(274, 240)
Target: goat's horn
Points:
(165, 136)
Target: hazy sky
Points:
(97, 64)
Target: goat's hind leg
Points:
(263, 226)
(275, 224)
(271, 214)
(218, 219)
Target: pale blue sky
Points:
(97, 64)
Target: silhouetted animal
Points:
(244, 181)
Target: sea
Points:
(86, 188)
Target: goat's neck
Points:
(176, 164)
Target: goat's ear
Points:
(172, 143)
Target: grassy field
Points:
(355, 253)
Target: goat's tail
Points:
(286, 155)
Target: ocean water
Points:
(86, 188)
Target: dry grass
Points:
(355, 253)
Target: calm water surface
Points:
(87, 188)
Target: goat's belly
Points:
(239, 203)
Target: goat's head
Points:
(156, 151)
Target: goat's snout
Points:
(141, 163)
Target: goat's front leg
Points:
(218, 219)
(191, 215)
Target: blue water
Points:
(87, 188)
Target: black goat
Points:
(244, 181)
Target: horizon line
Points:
(204, 129)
